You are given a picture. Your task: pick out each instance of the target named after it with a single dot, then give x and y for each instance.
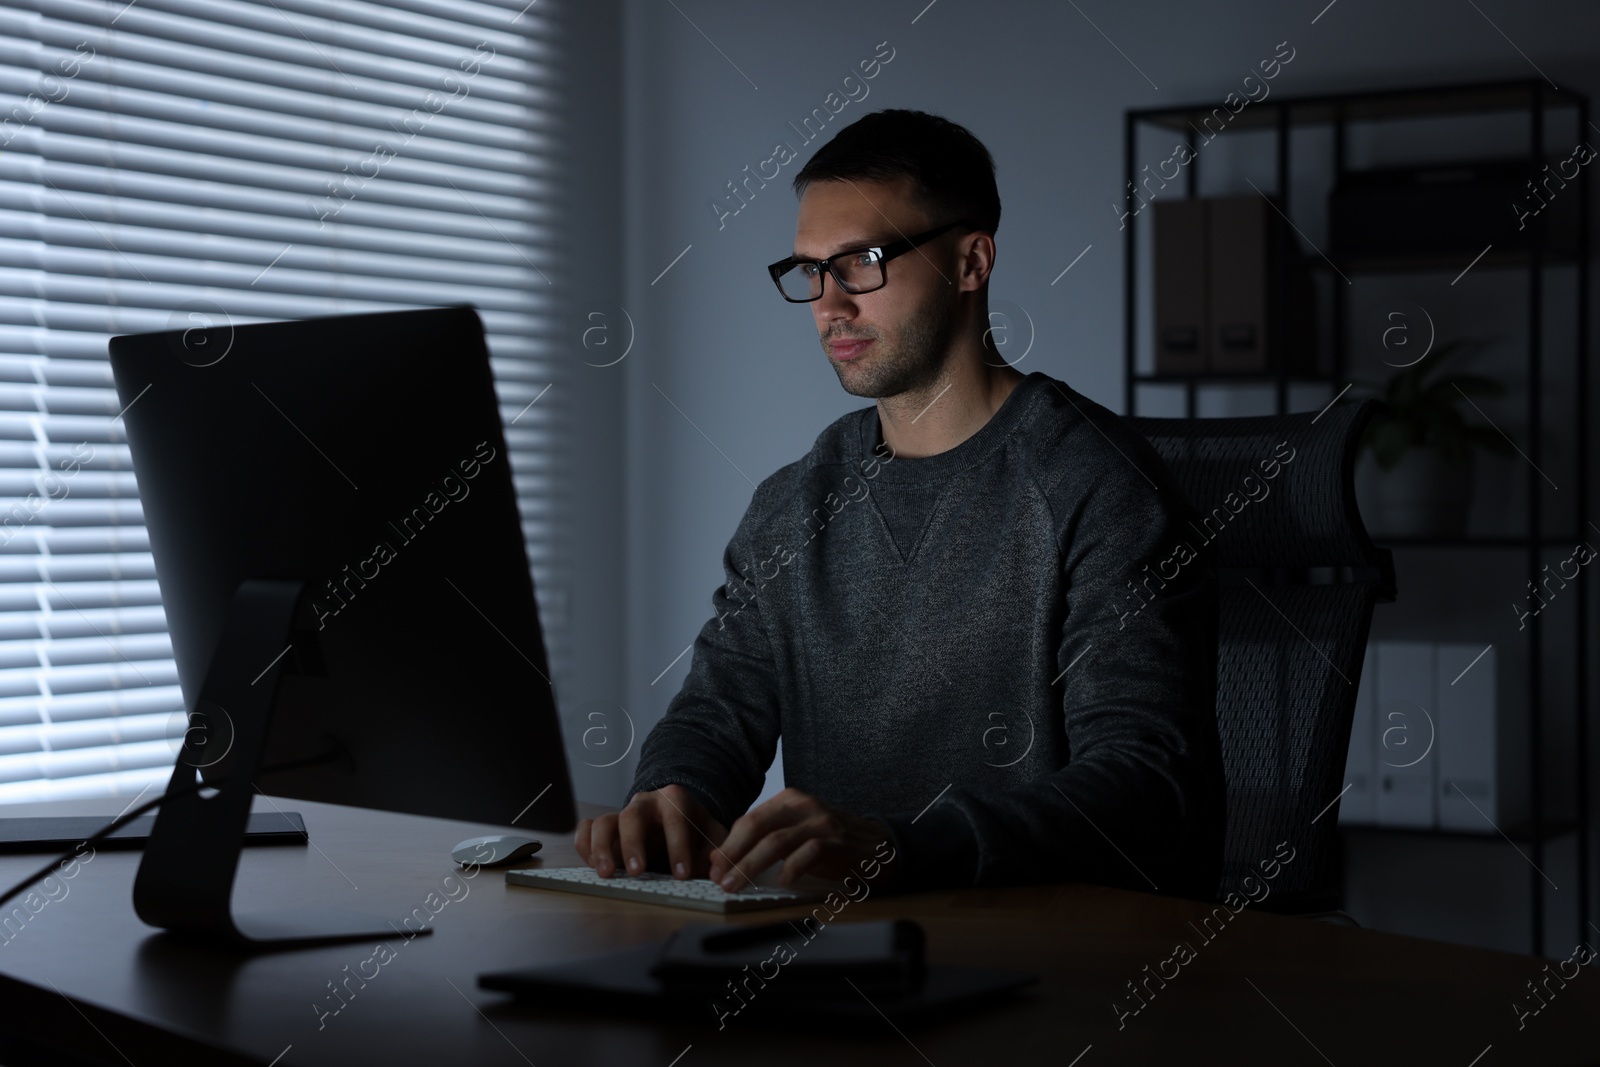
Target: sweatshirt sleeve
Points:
(1141, 801)
(720, 732)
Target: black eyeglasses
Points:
(857, 270)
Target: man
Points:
(959, 610)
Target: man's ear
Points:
(975, 264)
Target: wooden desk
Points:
(83, 980)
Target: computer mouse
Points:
(495, 850)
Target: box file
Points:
(1360, 801)
(1468, 791)
(1405, 732)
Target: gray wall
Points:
(590, 474)
(725, 383)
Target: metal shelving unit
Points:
(1281, 115)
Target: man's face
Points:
(895, 339)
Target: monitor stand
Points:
(185, 881)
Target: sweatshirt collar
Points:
(940, 467)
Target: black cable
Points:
(128, 816)
(110, 828)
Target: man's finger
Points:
(633, 826)
(680, 845)
(747, 829)
(767, 851)
(787, 808)
(706, 847)
(602, 855)
(801, 860)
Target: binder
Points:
(1468, 787)
(1180, 287)
(1239, 237)
(1405, 733)
(1216, 263)
(1360, 801)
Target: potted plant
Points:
(1419, 480)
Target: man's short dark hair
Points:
(951, 169)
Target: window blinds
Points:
(176, 163)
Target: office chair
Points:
(1298, 580)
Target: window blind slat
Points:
(139, 231)
(283, 61)
(298, 170)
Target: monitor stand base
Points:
(185, 880)
(268, 930)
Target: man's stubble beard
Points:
(908, 363)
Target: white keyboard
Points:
(701, 894)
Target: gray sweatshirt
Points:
(1023, 690)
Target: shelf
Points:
(1451, 263)
(1523, 831)
(1230, 378)
(1516, 95)
(1547, 540)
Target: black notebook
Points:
(723, 973)
(883, 957)
(59, 833)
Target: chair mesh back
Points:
(1306, 513)
(1283, 713)
(1289, 655)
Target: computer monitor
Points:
(334, 524)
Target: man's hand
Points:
(670, 819)
(807, 835)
